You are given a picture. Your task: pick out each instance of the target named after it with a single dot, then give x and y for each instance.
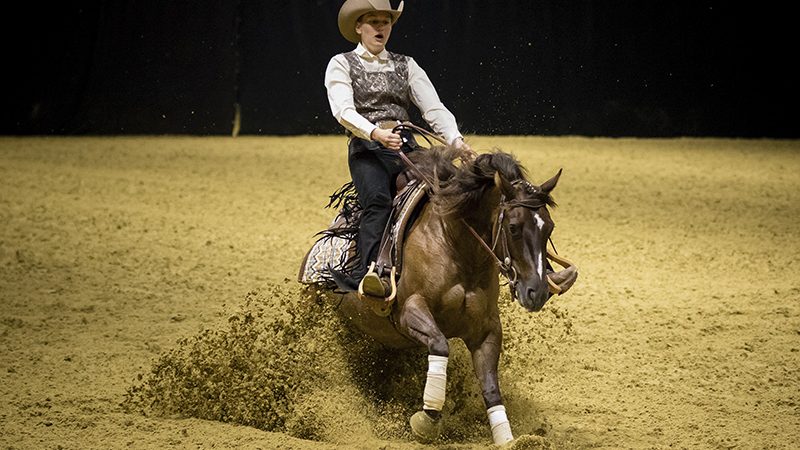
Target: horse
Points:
(483, 218)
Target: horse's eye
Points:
(515, 230)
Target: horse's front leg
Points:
(416, 319)
(485, 358)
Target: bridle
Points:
(499, 236)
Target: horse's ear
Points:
(505, 187)
(550, 184)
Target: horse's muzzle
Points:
(533, 298)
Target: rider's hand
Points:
(387, 138)
(467, 152)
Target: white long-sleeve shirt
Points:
(423, 95)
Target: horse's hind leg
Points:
(485, 358)
(417, 320)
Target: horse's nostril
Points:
(537, 296)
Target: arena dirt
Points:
(149, 301)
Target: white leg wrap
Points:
(435, 385)
(501, 429)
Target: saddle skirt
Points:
(336, 246)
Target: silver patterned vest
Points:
(380, 95)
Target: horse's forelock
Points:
(535, 195)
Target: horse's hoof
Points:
(425, 428)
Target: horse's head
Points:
(523, 229)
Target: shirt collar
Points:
(364, 53)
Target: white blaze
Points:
(537, 255)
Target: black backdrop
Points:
(551, 67)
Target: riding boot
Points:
(373, 285)
(344, 282)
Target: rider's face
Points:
(374, 29)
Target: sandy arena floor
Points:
(129, 265)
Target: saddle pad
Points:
(335, 250)
(329, 252)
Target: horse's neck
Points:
(482, 218)
(465, 244)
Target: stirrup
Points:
(381, 306)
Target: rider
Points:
(370, 91)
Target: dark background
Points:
(547, 67)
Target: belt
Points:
(383, 124)
(388, 124)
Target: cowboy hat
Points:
(351, 10)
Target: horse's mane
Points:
(459, 184)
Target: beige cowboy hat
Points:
(353, 9)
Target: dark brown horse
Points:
(450, 281)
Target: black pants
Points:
(374, 170)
